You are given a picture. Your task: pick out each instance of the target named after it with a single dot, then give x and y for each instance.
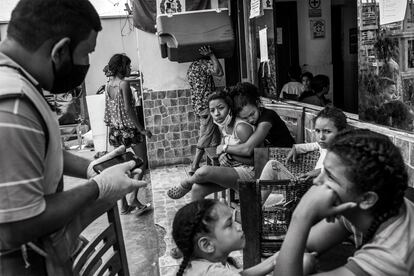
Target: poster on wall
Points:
(392, 11)
(263, 45)
(256, 8)
(170, 6)
(369, 17)
(317, 27)
(315, 8)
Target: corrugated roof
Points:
(104, 8)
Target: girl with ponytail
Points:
(359, 192)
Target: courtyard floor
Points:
(147, 237)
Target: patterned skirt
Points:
(125, 136)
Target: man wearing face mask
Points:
(47, 47)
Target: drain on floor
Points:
(162, 246)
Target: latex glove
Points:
(115, 182)
(91, 173)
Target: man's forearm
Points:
(74, 165)
(61, 208)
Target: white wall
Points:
(315, 55)
(3, 30)
(159, 74)
(115, 37)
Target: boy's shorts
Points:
(245, 172)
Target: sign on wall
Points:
(315, 8)
(317, 27)
(263, 45)
(170, 6)
(392, 11)
(256, 8)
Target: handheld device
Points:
(127, 156)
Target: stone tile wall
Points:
(175, 127)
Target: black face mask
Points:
(68, 77)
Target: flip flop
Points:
(128, 210)
(177, 192)
(142, 209)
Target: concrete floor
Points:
(148, 238)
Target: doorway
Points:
(286, 34)
(345, 55)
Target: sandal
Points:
(177, 192)
(127, 210)
(143, 208)
(176, 253)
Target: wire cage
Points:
(266, 226)
(275, 219)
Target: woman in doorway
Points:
(122, 120)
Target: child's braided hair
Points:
(374, 164)
(192, 219)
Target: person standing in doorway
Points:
(200, 77)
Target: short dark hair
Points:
(319, 82)
(223, 95)
(33, 22)
(117, 65)
(244, 93)
(307, 74)
(294, 72)
(335, 115)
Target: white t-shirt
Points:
(292, 87)
(390, 252)
(201, 267)
(307, 147)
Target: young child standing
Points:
(360, 192)
(206, 233)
